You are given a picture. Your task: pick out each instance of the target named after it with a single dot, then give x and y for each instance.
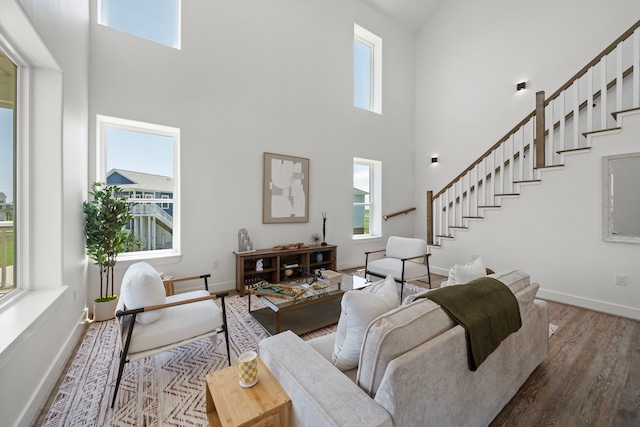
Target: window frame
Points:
(20, 163)
(366, 37)
(375, 198)
(106, 122)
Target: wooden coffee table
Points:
(313, 310)
(229, 404)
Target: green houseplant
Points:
(105, 216)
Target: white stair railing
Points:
(587, 103)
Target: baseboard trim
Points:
(591, 304)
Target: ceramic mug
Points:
(248, 365)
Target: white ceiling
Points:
(411, 14)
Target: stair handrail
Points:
(539, 115)
(391, 215)
(557, 93)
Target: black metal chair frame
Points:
(130, 318)
(425, 256)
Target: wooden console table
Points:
(283, 266)
(264, 404)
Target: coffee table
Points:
(312, 310)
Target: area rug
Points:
(166, 389)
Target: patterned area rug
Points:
(166, 389)
(161, 390)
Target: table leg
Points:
(249, 304)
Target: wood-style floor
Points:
(591, 376)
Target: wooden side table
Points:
(265, 404)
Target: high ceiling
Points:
(411, 14)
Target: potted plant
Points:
(105, 217)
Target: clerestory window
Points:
(367, 70)
(155, 20)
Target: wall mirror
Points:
(621, 203)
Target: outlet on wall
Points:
(621, 280)
(215, 264)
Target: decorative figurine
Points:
(244, 241)
(324, 228)
(259, 264)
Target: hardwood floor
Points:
(591, 376)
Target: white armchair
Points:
(405, 258)
(151, 322)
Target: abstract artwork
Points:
(285, 196)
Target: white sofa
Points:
(413, 368)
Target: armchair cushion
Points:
(359, 308)
(384, 267)
(179, 323)
(142, 287)
(406, 247)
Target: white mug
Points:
(248, 365)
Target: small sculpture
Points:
(259, 264)
(324, 228)
(244, 241)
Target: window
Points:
(367, 70)
(367, 185)
(8, 95)
(141, 159)
(155, 20)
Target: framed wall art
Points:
(285, 194)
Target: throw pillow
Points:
(359, 309)
(142, 287)
(470, 271)
(461, 274)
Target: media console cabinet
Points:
(282, 266)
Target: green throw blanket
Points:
(486, 308)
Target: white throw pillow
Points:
(359, 309)
(461, 274)
(142, 287)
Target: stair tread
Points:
(615, 113)
(459, 227)
(550, 166)
(571, 150)
(506, 194)
(472, 217)
(488, 206)
(527, 181)
(447, 236)
(600, 131)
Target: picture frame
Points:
(285, 191)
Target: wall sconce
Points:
(434, 159)
(521, 86)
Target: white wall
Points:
(41, 328)
(255, 77)
(470, 56)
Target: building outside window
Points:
(367, 179)
(367, 70)
(155, 20)
(8, 119)
(141, 158)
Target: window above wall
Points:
(155, 20)
(367, 70)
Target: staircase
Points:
(561, 124)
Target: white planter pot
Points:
(104, 310)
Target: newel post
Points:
(430, 217)
(540, 145)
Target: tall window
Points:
(141, 159)
(367, 179)
(155, 20)
(8, 95)
(367, 70)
